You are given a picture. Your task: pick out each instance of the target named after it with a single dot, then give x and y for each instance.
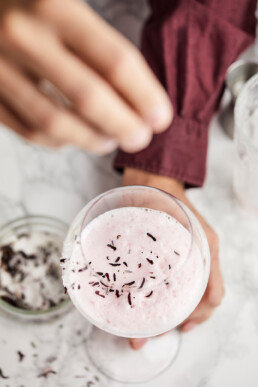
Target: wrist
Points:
(172, 186)
(139, 177)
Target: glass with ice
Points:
(246, 144)
(135, 264)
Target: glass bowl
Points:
(20, 228)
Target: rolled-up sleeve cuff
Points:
(179, 152)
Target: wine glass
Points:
(135, 263)
(246, 146)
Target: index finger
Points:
(113, 57)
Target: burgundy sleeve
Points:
(189, 44)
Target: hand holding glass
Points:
(136, 264)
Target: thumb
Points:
(137, 343)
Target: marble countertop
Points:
(222, 352)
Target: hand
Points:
(215, 290)
(111, 98)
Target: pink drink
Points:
(132, 274)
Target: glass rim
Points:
(179, 204)
(237, 110)
(30, 313)
(32, 217)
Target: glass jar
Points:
(246, 145)
(33, 225)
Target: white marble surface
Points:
(222, 352)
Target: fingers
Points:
(188, 326)
(91, 97)
(11, 120)
(39, 112)
(194, 321)
(137, 343)
(215, 289)
(211, 300)
(113, 57)
(197, 318)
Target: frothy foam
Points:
(132, 273)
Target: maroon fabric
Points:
(189, 44)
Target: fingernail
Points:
(160, 117)
(137, 343)
(105, 147)
(188, 326)
(139, 140)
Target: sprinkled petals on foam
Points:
(130, 283)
